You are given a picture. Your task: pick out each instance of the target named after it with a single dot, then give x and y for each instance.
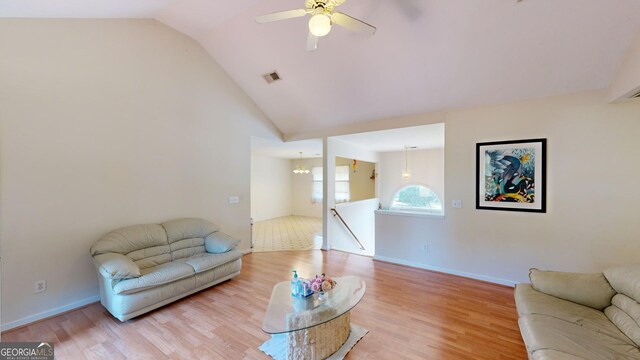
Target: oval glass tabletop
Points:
(286, 313)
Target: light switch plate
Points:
(457, 204)
(234, 199)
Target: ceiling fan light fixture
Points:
(320, 24)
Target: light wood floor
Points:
(411, 314)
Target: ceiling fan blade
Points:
(353, 24)
(335, 2)
(282, 15)
(312, 42)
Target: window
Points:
(316, 192)
(342, 184)
(417, 198)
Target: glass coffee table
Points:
(317, 326)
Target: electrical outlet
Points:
(41, 286)
(425, 248)
(456, 204)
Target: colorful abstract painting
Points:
(510, 175)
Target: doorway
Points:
(286, 210)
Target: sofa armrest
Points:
(219, 242)
(116, 266)
(589, 289)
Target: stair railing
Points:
(336, 213)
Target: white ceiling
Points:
(286, 150)
(423, 137)
(81, 8)
(427, 55)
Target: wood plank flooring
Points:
(410, 313)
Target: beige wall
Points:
(426, 166)
(361, 187)
(592, 199)
(103, 124)
(271, 184)
(301, 190)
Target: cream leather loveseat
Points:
(570, 316)
(143, 267)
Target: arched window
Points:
(417, 198)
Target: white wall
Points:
(360, 214)
(301, 190)
(426, 166)
(104, 124)
(592, 199)
(271, 184)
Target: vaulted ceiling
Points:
(426, 56)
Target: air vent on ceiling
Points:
(271, 77)
(635, 94)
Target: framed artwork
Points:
(511, 175)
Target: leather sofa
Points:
(143, 267)
(570, 316)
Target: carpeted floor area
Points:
(287, 233)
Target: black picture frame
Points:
(529, 193)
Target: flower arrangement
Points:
(322, 283)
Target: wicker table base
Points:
(319, 342)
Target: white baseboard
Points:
(49, 313)
(246, 251)
(446, 271)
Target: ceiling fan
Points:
(322, 17)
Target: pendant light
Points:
(300, 169)
(406, 174)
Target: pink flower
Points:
(315, 286)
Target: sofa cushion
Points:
(154, 276)
(587, 289)
(131, 238)
(224, 271)
(150, 257)
(186, 248)
(532, 302)
(548, 354)
(542, 332)
(628, 305)
(624, 314)
(206, 261)
(146, 244)
(188, 228)
(625, 279)
(116, 266)
(123, 305)
(219, 242)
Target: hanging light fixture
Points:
(300, 169)
(406, 174)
